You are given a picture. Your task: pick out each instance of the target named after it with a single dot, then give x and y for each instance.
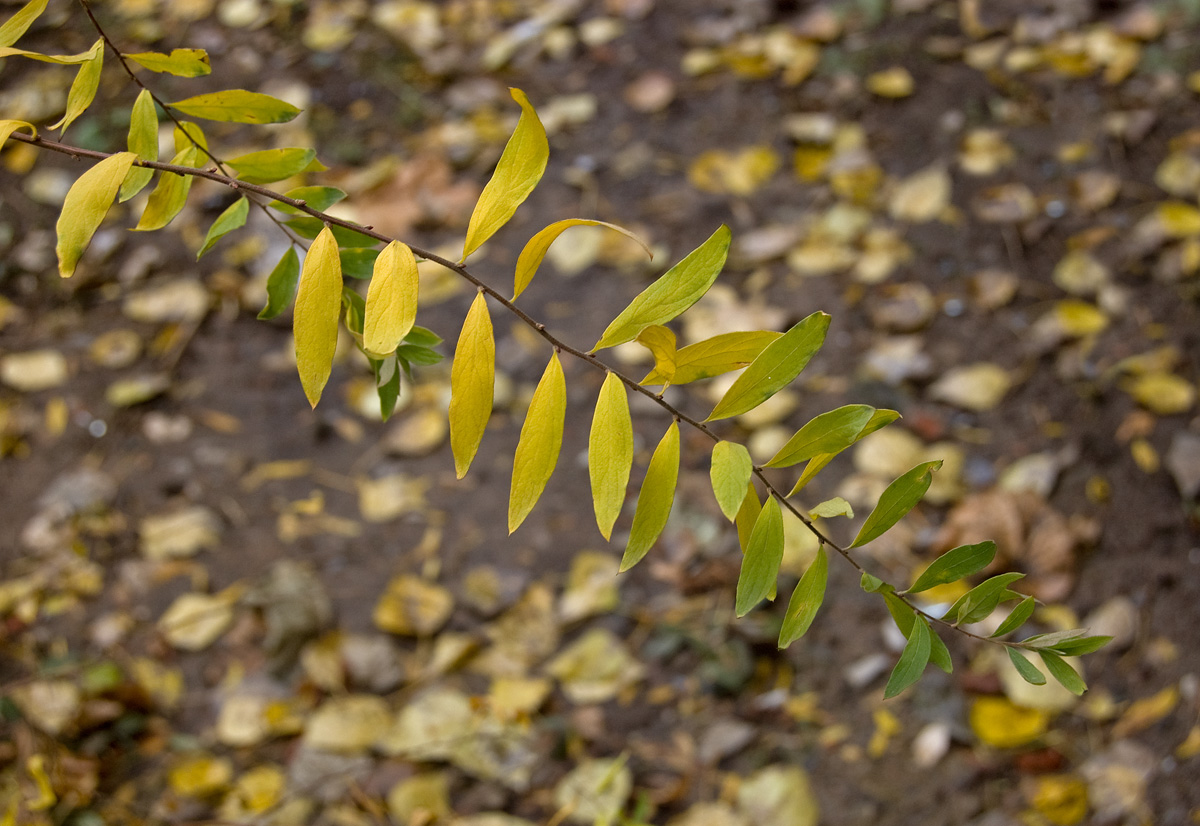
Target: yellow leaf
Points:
(472, 385)
(7, 127)
(1179, 219)
(1000, 724)
(1147, 711)
(237, 106)
(1060, 799)
(610, 453)
(143, 141)
(315, 320)
(180, 62)
(655, 498)
(1163, 393)
(540, 442)
(36, 766)
(733, 173)
(200, 775)
(391, 299)
(20, 22)
(891, 83)
(169, 195)
(83, 89)
(660, 341)
(85, 206)
(922, 196)
(517, 173)
(535, 251)
(747, 515)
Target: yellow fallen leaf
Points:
(887, 725)
(895, 82)
(985, 152)
(1163, 393)
(1079, 318)
(1080, 274)
(1178, 219)
(200, 775)
(733, 173)
(1060, 799)
(1147, 711)
(976, 387)
(1190, 746)
(413, 606)
(922, 196)
(193, 622)
(1000, 724)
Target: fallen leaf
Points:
(921, 197)
(591, 586)
(1000, 724)
(778, 796)
(193, 622)
(34, 371)
(595, 668)
(595, 791)
(200, 775)
(179, 534)
(895, 82)
(1163, 393)
(413, 606)
(976, 387)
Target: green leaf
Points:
(730, 474)
(20, 22)
(422, 356)
(912, 662)
(775, 367)
(472, 385)
(83, 89)
(281, 284)
(715, 356)
(660, 341)
(169, 195)
(319, 198)
(902, 613)
(939, 654)
(831, 508)
(654, 499)
(540, 442)
(981, 600)
(422, 337)
(610, 453)
(806, 600)
(1028, 671)
(954, 565)
(1019, 616)
(747, 515)
(387, 384)
(143, 141)
(180, 62)
(879, 419)
(871, 583)
(315, 319)
(85, 206)
(672, 293)
(517, 173)
(760, 562)
(358, 262)
(270, 165)
(900, 497)
(391, 299)
(829, 432)
(1061, 670)
(309, 227)
(237, 106)
(535, 251)
(1083, 645)
(229, 220)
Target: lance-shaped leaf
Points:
(677, 289)
(955, 564)
(20, 22)
(308, 227)
(714, 356)
(1028, 671)
(1082, 645)
(391, 299)
(535, 251)
(879, 419)
(57, 59)
(913, 660)
(315, 320)
(654, 499)
(980, 601)
(229, 220)
(319, 198)
(806, 600)
(730, 474)
(939, 654)
(169, 195)
(517, 173)
(610, 453)
(180, 62)
(143, 141)
(1019, 616)
(387, 383)
(660, 341)
(472, 385)
(7, 127)
(1061, 670)
(760, 562)
(830, 432)
(775, 367)
(83, 88)
(237, 106)
(540, 442)
(900, 497)
(85, 206)
(270, 165)
(281, 284)
(747, 515)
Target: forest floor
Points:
(218, 606)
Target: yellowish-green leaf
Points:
(747, 515)
(180, 62)
(229, 220)
(391, 299)
(806, 600)
(520, 168)
(954, 565)
(677, 289)
(20, 22)
(660, 341)
(315, 320)
(85, 206)
(83, 89)
(143, 142)
(535, 251)
(879, 419)
(540, 442)
(715, 356)
(270, 165)
(913, 660)
(760, 562)
(7, 127)
(775, 367)
(831, 509)
(610, 452)
(472, 384)
(190, 134)
(730, 475)
(281, 284)
(59, 59)
(654, 499)
(829, 432)
(237, 106)
(169, 194)
(319, 198)
(900, 497)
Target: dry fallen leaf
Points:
(975, 387)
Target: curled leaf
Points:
(913, 660)
(20, 22)
(281, 284)
(660, 341)
(83, 89)
(232, 218)
(535, 251)
(714, 356)
(180, 62)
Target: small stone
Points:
(34, 370)
(903, 308)
(1183, 463)
(652, 92)
(389, 497)
(993, 289)
(184, 299)
(931, 744)
(724, 738)
(975, 387)
(1116, 618)
(897, 359)
(420, 432)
